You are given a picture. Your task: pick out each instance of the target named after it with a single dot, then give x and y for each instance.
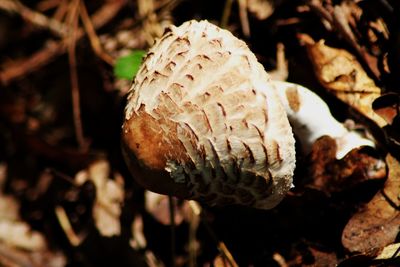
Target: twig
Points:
(343, 27)
(63, 176)
(151, 25)
(14, 256)
(226, 13)
(76, 109)
(193, 227)
(196, 209)
(335, 17)
(53, 49)
(65, 224)
(244, 20)
(159, 7)
(281, 71)
(316, 6)
(94, 39)
(172, 227)
(61, 11)
(47, 4)
(36, 18)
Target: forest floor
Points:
(68, 199)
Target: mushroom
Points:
(203, 122)
(301, 106)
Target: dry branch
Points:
(36, 18)
(55, 48)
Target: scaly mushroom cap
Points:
(203, 121)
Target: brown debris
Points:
(377, 224)
(387, 106)
(329, 175)
(99, 216)
(343, 19)
(341, 74)
(56, 48)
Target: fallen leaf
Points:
(377, 224)
(138, 241)
(13, 257)
(261, 9)
(19, 234)
(389, 252)
(341, 74)
(158, 206)
(304, 254)
(387, 106)
(19, 244)
(3, 176)
(109, 197)
(15, 232)
(322, 258)
(329, 174)
(9, 208)
(387, 256)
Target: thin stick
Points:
(14, 256)
(172, 224)
(76, 109)
(65, 224)
(335, 17)
(33, 17)
(196, 209)
(281, 71)
(61, 10)
(63, 176)
(94, 39)
(226, 13)
(53, 49)
(47, 5)
(193, 227)
(244, 20)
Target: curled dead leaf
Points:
(261, 9)
(158, 206)
(389, 252)
(109, 196)
(387, 106)
(341, 74)
(377, 224)
(329, 174)
(15, 232)
(19, 234)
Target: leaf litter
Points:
(341, 211)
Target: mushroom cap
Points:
(204, 122)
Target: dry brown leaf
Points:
(9, 208)
(387, 106)
(329, 174)
(377, 224)
(109, 197)
(158, 206)
(322, 258)
(341, 74)
(139, 240)
(15, 232)
(389, 252)
(261, 9)
(13, 257)
(19, 234)
(3, 172)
